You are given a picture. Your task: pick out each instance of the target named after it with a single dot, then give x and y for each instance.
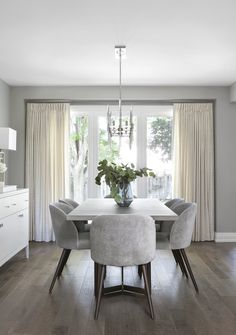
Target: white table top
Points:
(91, 208)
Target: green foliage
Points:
(118, 175)
(161, 131)
(107, 151)
(80, 129)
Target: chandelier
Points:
(121, 126)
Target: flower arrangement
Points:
(116, 176)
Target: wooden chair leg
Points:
(189, 269)
(95, 279)
(181, 263)
(147, 290)
(175, 257)
(140, 271)
(149, 276)
(58, 269)
(105, 272)
(100, 286)
(67, 254)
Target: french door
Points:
(151, 147)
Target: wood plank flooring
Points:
(26, 308)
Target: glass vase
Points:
(126, 194)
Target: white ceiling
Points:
(71, 42)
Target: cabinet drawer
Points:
(14, 233)
(12, 204)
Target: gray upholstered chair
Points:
(165, 227)
(63, 206)
(67, 236)
(173, 202)
(180, 237)
(81, 225)
(69, 202)
(122, 240)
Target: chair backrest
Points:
(167, 225)
(173, 202)
(182, 229)
(66, 234)
(123, 240)
(69, 202)
(63, 206)
(67, 208)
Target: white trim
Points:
(225, 237)
(141, 153)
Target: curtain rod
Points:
(124, 102)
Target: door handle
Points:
(20, 215)
(1, 225)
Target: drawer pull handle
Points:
(26, 200)
(1, 225)
(20, 215)
(7, 206)
(14, 204)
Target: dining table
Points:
(92, 207)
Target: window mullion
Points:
(141, 153)
(93, 154)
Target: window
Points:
(159, 149)
(78, 169)
(118, 151)
(151, 147)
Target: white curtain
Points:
(194, 163)
(46, 157)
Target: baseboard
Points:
(225, 237)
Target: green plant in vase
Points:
(118, 178)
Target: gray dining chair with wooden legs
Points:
(83, 226)
(122, 240)
(67, 236)
(181, 236)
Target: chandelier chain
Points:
(125, 126)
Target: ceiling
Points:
(71, 42)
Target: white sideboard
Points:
(14, 224)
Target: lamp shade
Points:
(7, 138)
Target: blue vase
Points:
(126, 194)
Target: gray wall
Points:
(225, 134)
(4, 112)
(4, 104)
(233, 93)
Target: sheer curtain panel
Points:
(194, 163)
(46, 158)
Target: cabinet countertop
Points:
(9, 194)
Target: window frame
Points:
(141, 112)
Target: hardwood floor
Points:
(26, 308)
